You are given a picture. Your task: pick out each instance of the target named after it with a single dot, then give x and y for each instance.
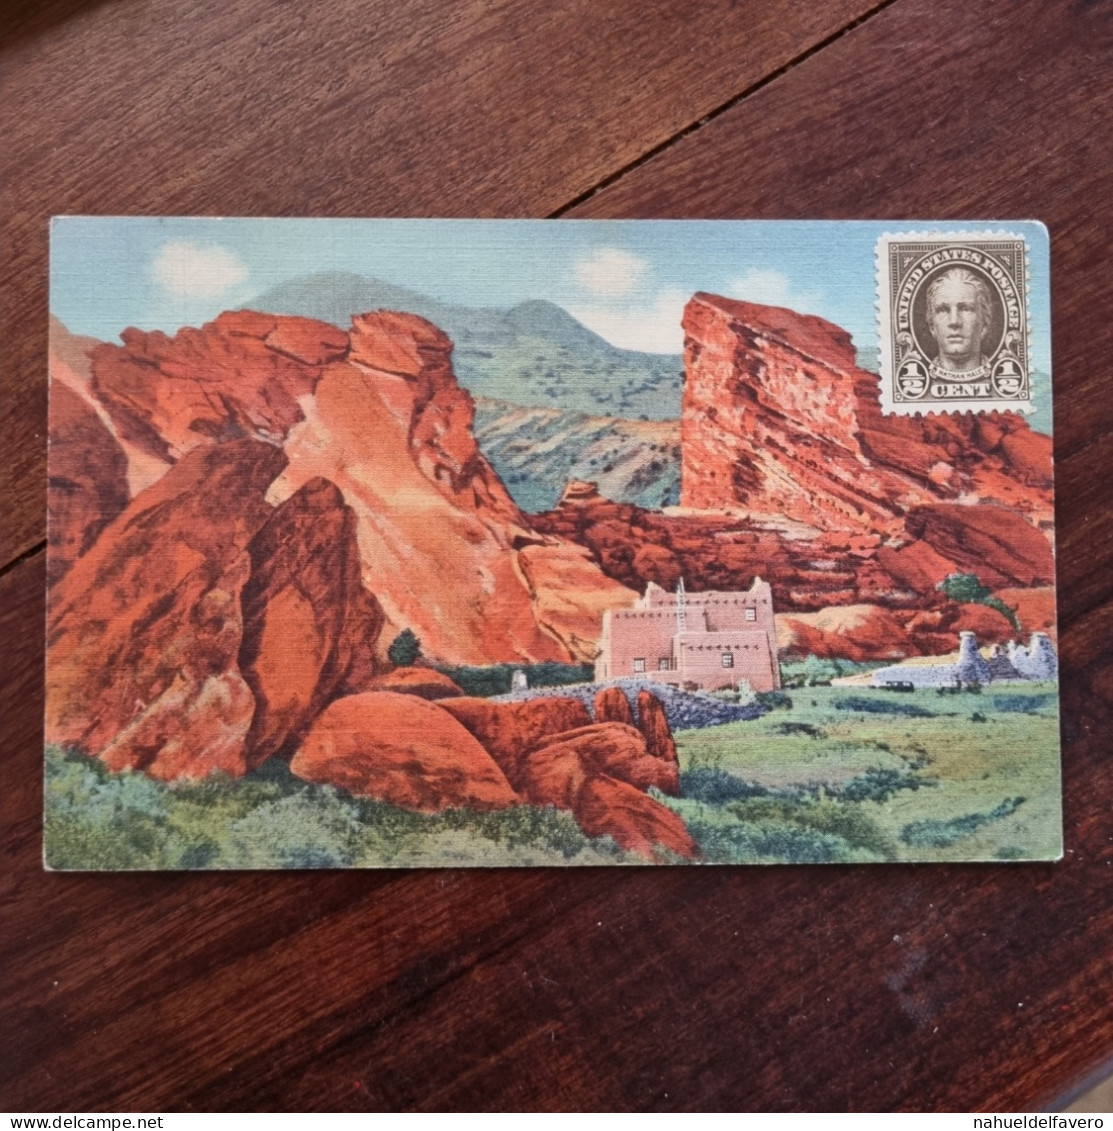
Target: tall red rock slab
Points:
(512, 730)
(144, 631)
(996, 543)
(401, 749)
(426, 683)
(606, 807)
(617, 750)
(849, 632)
(770, 420)
(240, 375)
(87, 484)
(612, 706)
(779, 419)
(309, 626)
(438, 534)
(654, 725)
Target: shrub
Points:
(714, 786)
(1022, 704)
(404, 649)
(774, 700)
(881, 707)
(941, 834)
(879, 785)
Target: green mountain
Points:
(534, 354)
(536, 451)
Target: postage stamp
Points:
(953, 322)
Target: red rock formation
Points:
(439, 535)
(71, 366)
(654, 725)
(993, 542)
(423, 682)
(792, 473)
(778, 419)
(240, 375)
(512, 730)
(87, 486)
(401, 749)
(606, 807)
(620, 751)
(850, 632)
(310, 627)
(612, 706)
(145, 629)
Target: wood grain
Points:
(738, 988)
(943, 987)
(361, 109)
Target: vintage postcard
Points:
(389, 543)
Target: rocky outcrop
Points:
(995, 543)
(654, 726)
(87, 485)
(618, 750)
(779, 419)
(439, 536)
(424, 682)
(636, 822)
(144, 631)
(310, 626)
(612, 706)
(401, 749)
(510, 731)
(791, 472)
(240, 375)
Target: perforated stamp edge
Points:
(897, 346)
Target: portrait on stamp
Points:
(954, 323)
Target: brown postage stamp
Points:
(953, 314)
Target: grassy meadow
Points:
(829, 774)
(853, 774)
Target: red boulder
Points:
(401, 749)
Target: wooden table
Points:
(930, 987)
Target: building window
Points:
(728, 659)
(639, 664)
(663, 664)
(751, 614)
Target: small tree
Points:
(405, 649)
(966, 589)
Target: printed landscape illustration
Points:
(342, 574)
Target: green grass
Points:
(835, 777)
(97, 820)
(928, 777)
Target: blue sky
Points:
(626, 279)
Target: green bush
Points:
(714, 786)
(942, 834)
(879, 785)
(404, 649)
(774, 700)
(494, 679)
(881, 707)
(1023, 704)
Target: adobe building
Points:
(711, 640)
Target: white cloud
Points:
(610, 272)
(652, 329)
(193, 271)
(770, 288)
